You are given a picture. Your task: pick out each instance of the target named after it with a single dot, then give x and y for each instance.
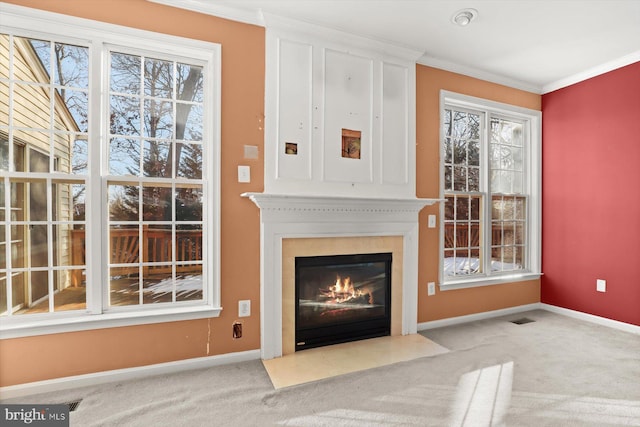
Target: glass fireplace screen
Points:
(342, 298)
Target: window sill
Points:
(102, 321)
(488, 281)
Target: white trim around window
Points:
(532, 120)
(99, 38)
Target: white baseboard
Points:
(65, 383)
(615, 324)
(223, 359)
(477, 316)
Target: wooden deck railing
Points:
(157, 247)
(467, 237)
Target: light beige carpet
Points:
(326, 362)
(554, 372)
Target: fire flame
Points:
(343, 286)
(343, 290)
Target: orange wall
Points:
(50, 356)
(429, 83)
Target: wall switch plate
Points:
(244, 174)
(244, 308)
(601, 285)
(432, 221)
(431, 288)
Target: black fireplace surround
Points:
(341, 298)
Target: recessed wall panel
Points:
(348, 109)
(294, 110)
(395, 124)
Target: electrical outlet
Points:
(431, 288)
(244, 308)
(601, 285)
(432, 221)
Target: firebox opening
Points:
(341, 298)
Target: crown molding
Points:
(479, 74)
(258, 18)
(340, 37)
(592, 72)
(208, 8)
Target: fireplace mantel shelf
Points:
(290, 202)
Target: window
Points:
(155, 180)
(108, 198)
(490, 184)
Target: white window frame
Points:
(100, 37)
(533, 186)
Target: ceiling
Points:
(537, 45)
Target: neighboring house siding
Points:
(4, 73)
(32, 110)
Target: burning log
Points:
(344, 291)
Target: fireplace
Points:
(294, 226)
(342, 298)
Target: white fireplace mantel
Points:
(293, 216)
(306, 207)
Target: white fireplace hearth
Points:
(347, 219)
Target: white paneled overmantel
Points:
(339, 113)
(339, 155)
(291, 216)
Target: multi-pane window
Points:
(508, 195)
(107, 197)
(487, 190)
(155, 185)
(462, 183)
(43, 147)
